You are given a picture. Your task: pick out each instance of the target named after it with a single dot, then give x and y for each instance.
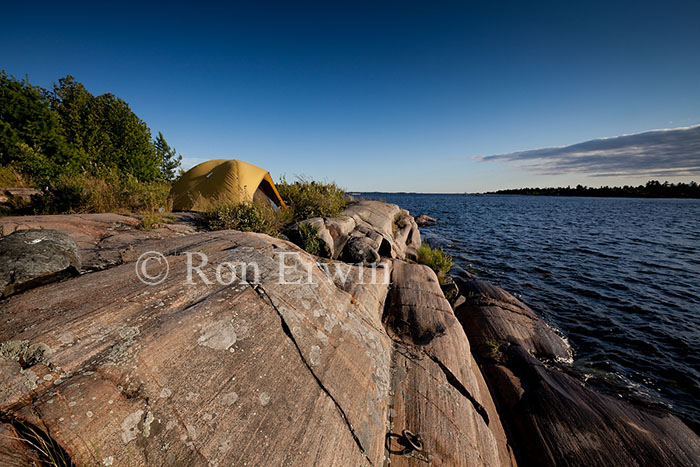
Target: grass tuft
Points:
(436, 259)
(246, 217)
(155, 220)
(50, 453)
(111, 191)
(9, 177)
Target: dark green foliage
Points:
(31, 136)
(435, 259)
(652, 189)
(68, 131)
(168, 159)
(103, 131)
(309, 199)
(308, 239)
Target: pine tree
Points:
(168, 159)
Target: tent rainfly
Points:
(223, 179)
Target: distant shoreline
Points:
(541, 195)
(596, 196)
(652, 189)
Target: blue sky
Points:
(387, 96)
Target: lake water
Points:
(620, 278)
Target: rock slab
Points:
(294, 367)
(432, 363)
(30, 258)
(551, 418)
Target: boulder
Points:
(406, 236)
(425, 221)
(377, 221)
(29, 258)
(360, 250)
(340, 229)
(377, 214)
(551, 418)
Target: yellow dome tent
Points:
(223, 179)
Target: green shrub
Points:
(246, 217)
(309, 199)
(309, 240)
(435, 259)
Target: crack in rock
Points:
(263, 294)
(454, 382)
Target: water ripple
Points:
(619, 277)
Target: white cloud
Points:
(657, 153)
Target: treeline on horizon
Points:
(652, 189)
(85, 152)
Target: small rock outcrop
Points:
(491, 315)
(425, 220)
(30, 258)
(551, 418)
(386, 230)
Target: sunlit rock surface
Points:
(383, 228)
(299, 361)
(293, 366)
(437, 386)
